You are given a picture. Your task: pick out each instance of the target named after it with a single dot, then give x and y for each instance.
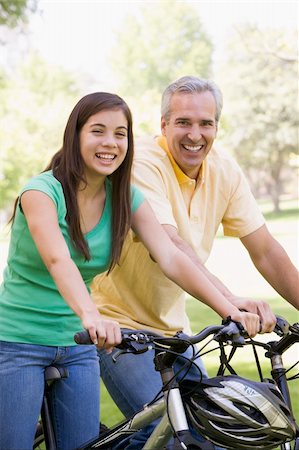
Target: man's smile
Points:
(192, 148)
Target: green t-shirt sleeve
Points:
(136, 198)
(49, 185)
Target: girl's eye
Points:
(97, 131)
(121, 135)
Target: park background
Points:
(54, 52)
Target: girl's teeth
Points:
(103, 156)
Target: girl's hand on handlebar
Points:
(250, 321)
(104, 333)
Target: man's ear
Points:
(163, 125)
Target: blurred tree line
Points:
(160, 43)
(13, 13)
(263, 119)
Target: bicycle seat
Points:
(55, 373)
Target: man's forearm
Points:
(277, 268)
(274, 264)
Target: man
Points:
(192, 188)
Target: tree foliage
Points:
(34, 106)
(262, 94)
(164, 41)
(13, 12)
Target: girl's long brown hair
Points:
(68, 167)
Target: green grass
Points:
(286, 214)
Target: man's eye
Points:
(183, 122)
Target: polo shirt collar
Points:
(180, 175)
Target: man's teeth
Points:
(105, 156)
(193, 148)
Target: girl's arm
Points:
(41, 216)
(178, 267)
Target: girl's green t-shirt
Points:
(31, 308)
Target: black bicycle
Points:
(227, 410)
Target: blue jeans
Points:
(75, 400)
(133, 381)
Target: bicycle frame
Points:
(170, 409)
(173, 418)
(161, 434)
(130, 426)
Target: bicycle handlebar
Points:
(138, 341)
(147, 336)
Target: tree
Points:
(164, 41)
(34, 107)
(13, 12)
(261, 93)
(14, 15)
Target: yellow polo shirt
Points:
(137, 294)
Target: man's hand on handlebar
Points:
(262, 309)
(250, 322)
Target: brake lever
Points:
(231, 333)
(135, 348)
(118, 353)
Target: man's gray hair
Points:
(191, 85)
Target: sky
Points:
(79, 34)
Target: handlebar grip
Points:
(83, 338)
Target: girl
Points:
(69, 224)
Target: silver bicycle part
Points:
(160, 436)
(144, 417)
(176, 410)
(176, 415)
